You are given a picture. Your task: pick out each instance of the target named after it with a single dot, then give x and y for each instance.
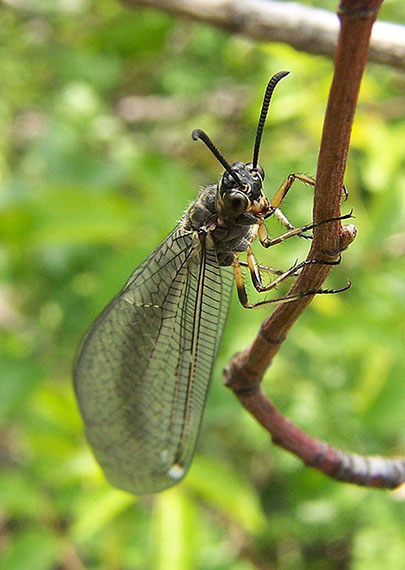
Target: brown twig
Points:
(304, 27)
(246, 369)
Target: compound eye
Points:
(258, 170)
(228, 181)
(236, 202)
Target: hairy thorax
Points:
(228, 235)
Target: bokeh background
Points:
(97, 103)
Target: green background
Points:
(97, 103)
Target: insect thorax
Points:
(228, 236)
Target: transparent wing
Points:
(143, 371)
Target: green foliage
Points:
(97, 103)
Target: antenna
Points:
(199, 134)
(263, 114)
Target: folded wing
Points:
(144, 367)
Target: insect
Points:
(144, 366)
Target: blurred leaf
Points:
(97, 511)
(19, 379)
(32, 549)
(20, 497)
(377, 371)
(174, 531)
(377, 548)
(234, 497)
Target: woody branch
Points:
(246, 369)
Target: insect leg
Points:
(288, 182)
(283, 219)
(267, 242)
(282, 193)
(265, 268)
(240, 283)
(291, 272)
(286, 185)
(257, 281)
(289, 298)
(286, 222)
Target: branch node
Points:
(263, 335)
(357, 10)
(347, 235)
(241, 380)
(320, 457)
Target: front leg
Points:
(288, 182)
(282, 193)
(286, 185)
